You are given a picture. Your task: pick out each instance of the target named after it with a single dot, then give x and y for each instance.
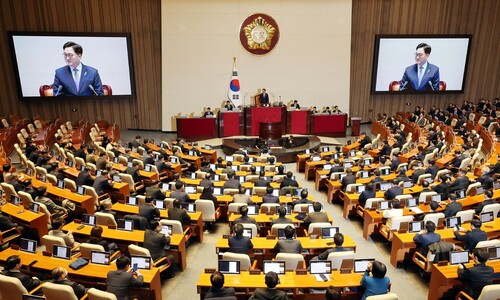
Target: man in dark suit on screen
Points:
(76, 79)
(421, 76)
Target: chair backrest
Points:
(229, 191)
(244, 259)
(472, 188)
(235, 207)
(292, 260)
(317, 226)
(176, 225)
(488, 244)
(8, 190)
(79, 162)
(337, 257)
(54, 291)
(44, 209)
(269, 207)
(441, 172)
(423, 196)
(301, 207)
(434, 217)
(70, 184)
(105, 219)
(495, 208)
(392, 213)
(51, 178)
(490, 292)
(465, 163)
(388, 296)
(372, 201)
(276, 227)
(49, 241)
(86, 249)
(91, 192)
(396, 222)
(427, 157)
(140, 222)
(137, 250)
(422, 177)
(465, 215)
(11, 288)
(26, 199)
(207, 209)
(127, 178)
(95, 294)
(259, 190)
(351, 188)
(251, 226)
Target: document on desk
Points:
(416, 210)
(322, 278)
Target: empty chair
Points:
(49, 241)
(105, 219)
(87, 248)
(422, 177)
(134, 187)
(465, 215)
(434, 217)
(427, 157)
(293, 261)
(269, 208)
(244, 259)
(95, 294)
(316, 227)
(351, 188)
(11, 288)
(388, 296)
(70, 184)
(495, 208)
(338, 257)
(372, 202)
(393, 225)
(140, 222)
(9, 190)
(52, 179)
(472, 188)
(423, 196)
(208, 211)
(55, 291)
(26, 199)
(465, 163)
(488, 244)
(228, 191)
(259, 191)
(301, 207)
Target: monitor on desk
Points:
(367, 161)
(100, 257)
(61, 184)
(316, 158)
(247, 232)
(229, 267)
(166, 229)
(385, 171)
(242, 178)
(258, 168)
(117, 160)
(496, 185)
(494, 253)
(41, 177)
(165, 186)
(251, 159)
(117, 178)
(288, 209)
(436, 198)
(29, 172)
(327, 167)
(336, 155)
(14, 200)
(27, 245)
(352, 153)
(383, 205)
(140, 262)
(320, 267)
(216, 177)
(249, 192)
(34, 207)
(80, 190)
(460, 194)
(160, 204)
(310, 208)
(480, 190)
(229, 158)
(307, 151)
(453, 221)
(459, 257)
(98, 173)
(213, 167)
(174, 160)
(88, 220)
(63, 252)
(360, 265)
(347, 164)
(365, 174)
(429, 180)
(190, 189)
(329, 232)
(189, 207)
(276, 192)
(148, 168)
(191, 153)
(407, 184)
(217, 191)
(325, 149)
(360, 189)
(69, 163)
(131, 200)
(235, 168)
(125, 225)
(341, 176)
(82, 168)
(384, 186)
(411, 202)
(208, 147)
(416, 226)
(276, 266)
(486, 217)
(253, 210)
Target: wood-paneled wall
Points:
(479, 18)
(140, 18)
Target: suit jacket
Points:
(68, 238)
(178, 214)
(27, 281)
(155, 193)
(416, 174)
(365, 195)
(262, 182)
(148, 211)
(452, 208)
(316, 217)
(424, 240)
(476, 277)
(88, 76)
(431, 73)
(134, 172)
(84, 178)
(374, 286)
(432, 170)
(284, 220)
(461, 183)
(245, 219)
(393, 192)
(471, 238)
(288, 246)
(481, 205)
(6, 223)
(239, 244)
(324, 255)
(349, 179)
(183, 196)
(155, 242)
(288, 182)
(268, 294)
(264, 98)
(270, 198)
(220, 293)
(120, 282)
(232, 184)
(101, 185)
(242, 198)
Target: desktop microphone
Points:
(59, 89)
(93, 90)
(430, 83)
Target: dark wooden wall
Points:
(479, 18)
(140, 18)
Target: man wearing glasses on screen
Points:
(76, 79)
(421, 76)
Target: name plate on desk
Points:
(77, 221)
(255, 272)
(226, 236)
(15, 247)
(345, 270)
(271, 237)
(301, 272)
(209, 271)
(112, 226)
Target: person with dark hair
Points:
(422, 76)
(208, 113)
(303, 198)
(269, 197)
(239, 243)
(13, 269)
(120, 281)
(282, 219)
(107, 207)
(178, 214)
(317, 215)
(179, 192)
(218, 290)
(207, 181)
(288, 180)
(148, 210)
(479, 276)
(155, 242)
(262, 181)
(338, 240)
(393, 191)
(133, 171)
(453, 207)
(242, 197)
(378, 283)
(228, 169)
(231, 182)
(472, 237)
(443, 186)
(207, 194)
(350, 178)
(460, 183)
(368, 193)
(84, 178)
(264, 98)
(289, 244)
(269, 293)
(96, 237)
(426, 237)
(376, 177)
(57, 231)
(488, 195)
(333, 293)
(60, 276)
(154, 191)
(51, 206)
(244, 216)
(102, 183)
(386, 149)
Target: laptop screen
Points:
(132, 200)
(190, 207)
(384, 186)
(327, 167)
(360, 189)
(217, 191)
(320, 267)
(288, 210)
(436, 198)
(99, 257)
(385, 171)
(35, 207)
(61, 184)
(407, 184)
(460, 194)
(316, 158)
(27, 245)
(325, 149)
(63, 252)
(329, 232)
(414, 227)
(88, 219)
(127, 225)
(166, 229)
(496, 185)
(253, 209)
(367, 161)
(275, 266)
(411, 202)
(247, 232)
(229, 267)
(453, 221)
(80, 190)
(347, 164)
(14, 199)
(459, 257)
(229, 158)
(365, 174)
(117, 178)
(160, 204)
(480, 190)
(352, 153)
(360, 265)
(487, 217)
(191, 189)
(276, 192)
(494, 253)
(383, 205)
(140, 262)
(281, 234)
(148, 168)
(29, 171)
(307, 151)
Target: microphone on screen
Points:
(93, 90)
(430, 83)
(59, 89)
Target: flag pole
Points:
(234, 66)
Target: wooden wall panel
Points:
(371, 17)
(139, 18)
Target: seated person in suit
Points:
(241, 197)
(51, 206)
(394, 191)
(134, 171)
(178, 214)
(472, 237)
(154, 191)
(262, 181)
(317, 215)
(295, 105)
(303, 198)
(208, 113)
(269, 197)
(228, 169)
(479, 276)
(218, 290)
(453, 207)
(460, 183)
(103, 183)
(107, 207)
(377, 177)
(348, 179)
(368, 193)
(443, 187)
(288, 180)
(69, 240)
(155, 242)
(386, 149)
(84, 178)
(282, 219)
(269, 293)
(364, 139)
(378, 283)
(13, 269)
(244, 216)
(179, 192)
(231, 182)
(338, 240)
(289, 244)
(207, 194)
(148, 210)
(426, 237)
(120, 281)
(401, 175)
(60, 276)
(487, 201)
(239, 243)
(229, 106)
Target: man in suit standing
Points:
(120, 281)
(76, 79)
(421, 76)
(264, 98)
(239, 243)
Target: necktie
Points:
(420, 75)
(77, 79)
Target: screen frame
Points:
(130, 56)
(376, 50)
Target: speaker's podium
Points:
(231, 123)
(256, 115)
